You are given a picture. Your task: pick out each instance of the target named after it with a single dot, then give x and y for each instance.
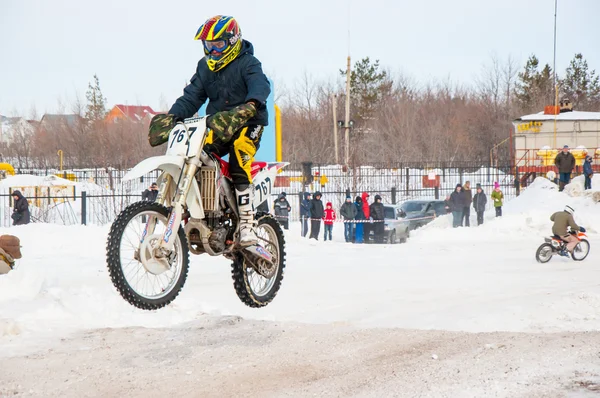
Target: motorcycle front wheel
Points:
(144, 283)
(581, 251)
(252, 287)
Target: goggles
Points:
(215, 45)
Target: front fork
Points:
(174, 222)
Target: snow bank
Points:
(526, 215)
(26, 180)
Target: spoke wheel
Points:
(581, 251)
(254, 289)
(141, 279)
(544, 253)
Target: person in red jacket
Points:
(328, 220)
(367, 228)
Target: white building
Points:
(539, 137)
(11, 125)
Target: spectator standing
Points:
(468, 198)
(447, 205)
(457, 204)
(479, 203)
(377, 215)
(305, 213)
(317, 212)
(360, 221)
(151, 193)
(498, 198)
(565, 162)
(367, 226)
(328, 220)
(588, 172)
(20, 214)
(282, 210)
(348, 213)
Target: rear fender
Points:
(264, 182)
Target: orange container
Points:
(551, 110)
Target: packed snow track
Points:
(453, 312)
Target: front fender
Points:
(166, 163)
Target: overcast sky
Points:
(142, 49)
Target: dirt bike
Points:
(554, 245)
(195, 211)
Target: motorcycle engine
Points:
(217, 238)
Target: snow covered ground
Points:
(474, 280)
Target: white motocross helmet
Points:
(569, 209)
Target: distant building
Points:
(50, 121)
(132, 113)
(536, 140)
(11, 125)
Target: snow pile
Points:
(525, 216)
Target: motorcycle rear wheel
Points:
(544, 253)
(252, 288)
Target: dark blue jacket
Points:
(236, 84)
(587, 168)
(305, 208)
(360, 214)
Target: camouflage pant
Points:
(241, 150)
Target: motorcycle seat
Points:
(255, 167)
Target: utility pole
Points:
(347, 121)
(554, 66)
(335, 128)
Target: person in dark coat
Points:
(360, 219)
(20, 214)
(377, 215)
(305, 214)
(151, 193)
(231, 78)
(447, 205)
(457, 204)
(588, 172)
(479, 203)
(468, 198)
(317, 212)
(282, 210)
(565, 162)
(348, 212)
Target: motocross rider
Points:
(232, 80)
(562, 220)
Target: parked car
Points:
(420, 212)
(396, 228)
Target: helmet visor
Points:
(215, 45)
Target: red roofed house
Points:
(132, 113)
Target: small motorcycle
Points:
(554, 245)
(196, 211)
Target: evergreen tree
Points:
(368, 85)
(534, 88)
(581, 85)
(96, 103)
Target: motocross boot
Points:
(245, 199)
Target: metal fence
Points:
(70, 210)
(395, 183)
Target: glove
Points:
(581, 229)
(225, 124)
(160, 127)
